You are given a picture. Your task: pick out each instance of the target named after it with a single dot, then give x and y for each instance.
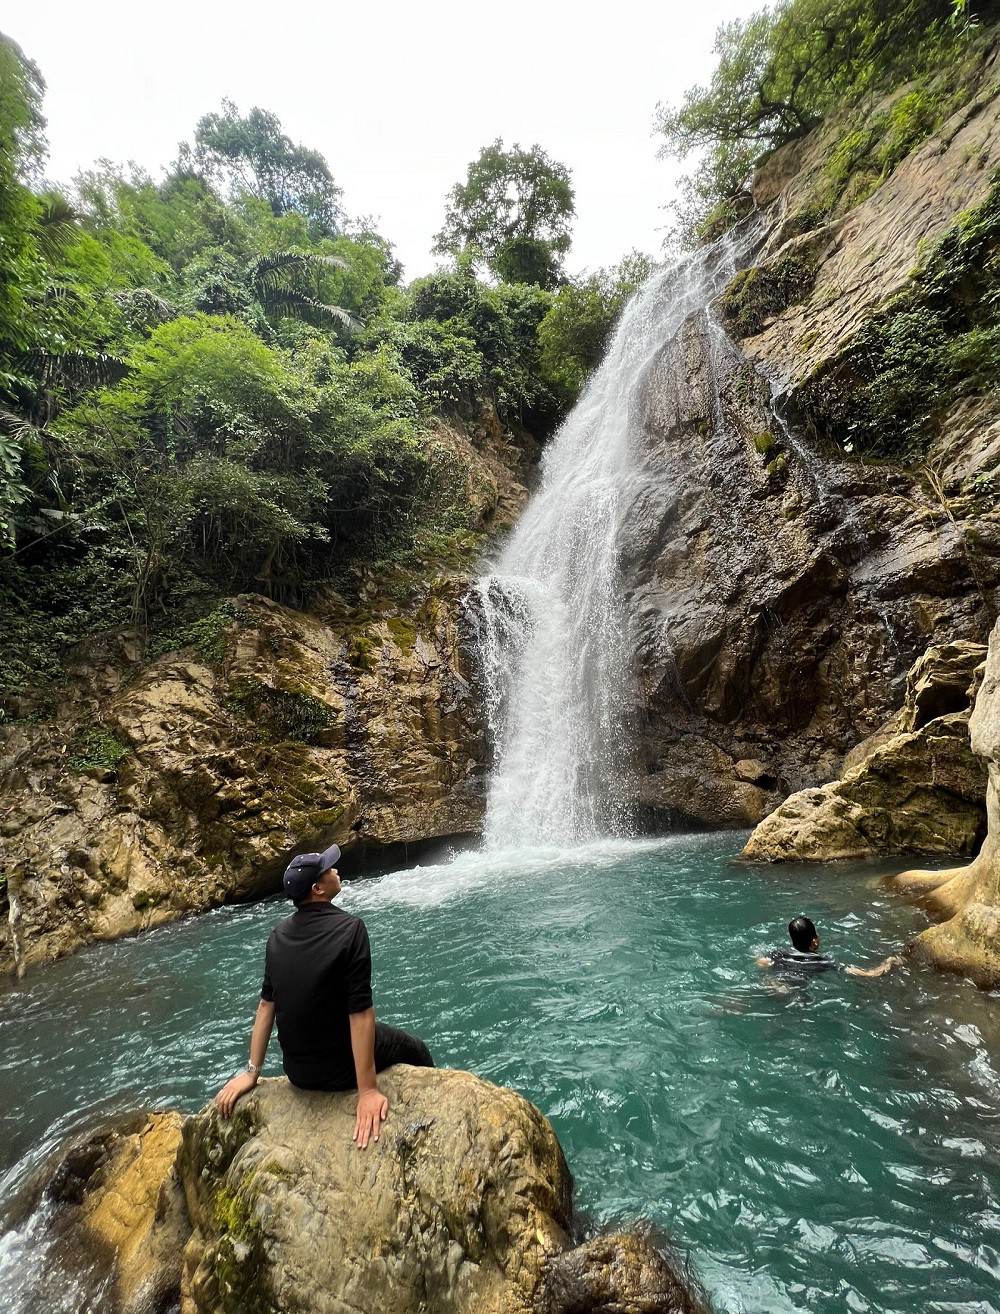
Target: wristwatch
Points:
(255, 1069)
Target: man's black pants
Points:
(391, 1046)
(395, 1046)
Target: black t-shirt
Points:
(318, 970)
(802, 963)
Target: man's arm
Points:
(882, 968)
(765, 962)
(372, 1104)
(261, 1034)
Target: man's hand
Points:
(372, 1109)
(233, 1090)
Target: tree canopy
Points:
(780, 71)
(250, 155)
(214, 382)
(514, 212)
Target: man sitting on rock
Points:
(804, 958)
(318, 987)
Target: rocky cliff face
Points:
(167, 786)
(462, 1206)
(967, 899)
(915, 786)
(781, 587)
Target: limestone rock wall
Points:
(294, 732)
(967, 899)
(160, 787)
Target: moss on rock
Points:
(759, 293)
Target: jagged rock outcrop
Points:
(116, 1222)
(915, 786)
(967, 940)
(463, 1206)
(781, 589)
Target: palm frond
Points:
(55, 223)
(295, 305)
(144, 300)
(18, 427)
(266, 270)
(76, 370)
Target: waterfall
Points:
(554, 641)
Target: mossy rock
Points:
(765, 442)
(758, 294)
(363, 652)
(404, 633)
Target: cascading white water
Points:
(554, 636)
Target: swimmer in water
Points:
(804, 958)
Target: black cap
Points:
(303, 872)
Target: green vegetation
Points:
(216, 384)
(762, 291)
(278, 715)
(581, 319)
(783, 70)
(513, 212)
(936, 341)
(97, 750)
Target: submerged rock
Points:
(968, 898)
(463, 1206)
(915, 786)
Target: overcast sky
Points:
(399, 97)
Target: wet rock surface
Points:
(780, 594)
(915, 786)
(116, 1222)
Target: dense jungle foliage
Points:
(781, 71)
(216, 383)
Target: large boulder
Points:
(463, 1206)
(456, 1207)
(915, 786)
(967, 940)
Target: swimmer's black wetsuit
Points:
(799, 962)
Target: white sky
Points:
(399, 97)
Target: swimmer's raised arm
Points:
(883, 967)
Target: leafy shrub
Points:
(578, 325)
(97, 749)
(276, 715)
(936, 340)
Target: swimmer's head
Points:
(803, 934)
